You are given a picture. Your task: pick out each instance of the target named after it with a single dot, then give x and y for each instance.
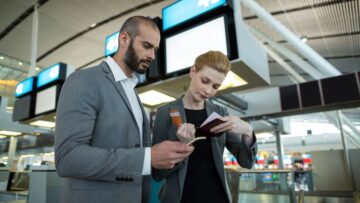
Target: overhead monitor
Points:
(289, 97)
(24, 87)
(155, 70)
(22, 108)
(343, 88)
(46, 100)
(111, 44)
(310, 94)
(182, 11)
(182, 48)
(48, 75)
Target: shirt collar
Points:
(118, 73)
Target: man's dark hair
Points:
(131, 25)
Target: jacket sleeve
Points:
(75, 157)
(244, 154)
(161, 133)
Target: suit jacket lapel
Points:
(119, 88)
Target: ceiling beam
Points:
(326, 57)
(327, 36)
(322, 4)
(77, 35)
(21, 18)
(3, 65)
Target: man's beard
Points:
(132, 60)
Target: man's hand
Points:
(167, 154)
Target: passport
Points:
(204, 130)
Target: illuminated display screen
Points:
(24, 87)
(111, 44)
(46, 100)
(141, 77)
(18, 181)
(184, 10)
(184, 47)
(48, 75)
(266, 177)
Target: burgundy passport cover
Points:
(205, 130)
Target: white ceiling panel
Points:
(90, 46)
(332, 27)
(11, 10)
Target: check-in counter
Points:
(13, 196)
(274, 186)
(10, 196)
(45, 185)
(4, 177)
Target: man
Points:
(102, 144)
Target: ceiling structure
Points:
(67, 31)
(74, 31)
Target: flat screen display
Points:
(22, 108)
(18, 181)
(339, 89)
(266, 177)
(310, 94)
(141, 77)
(184, 10)
(24, 87)
(289, 97)
(46, 100)
(111, 44)
(181, 49)
(48, 75)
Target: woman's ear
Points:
(192, 71)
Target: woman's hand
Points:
(234, 125)
(186, 132)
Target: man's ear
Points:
(124, 39)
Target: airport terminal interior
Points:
(295, 78)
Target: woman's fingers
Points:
(222, 127)
(186, 132)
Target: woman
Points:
(201, 177)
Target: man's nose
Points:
(152, 54)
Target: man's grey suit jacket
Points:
(97, 142)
